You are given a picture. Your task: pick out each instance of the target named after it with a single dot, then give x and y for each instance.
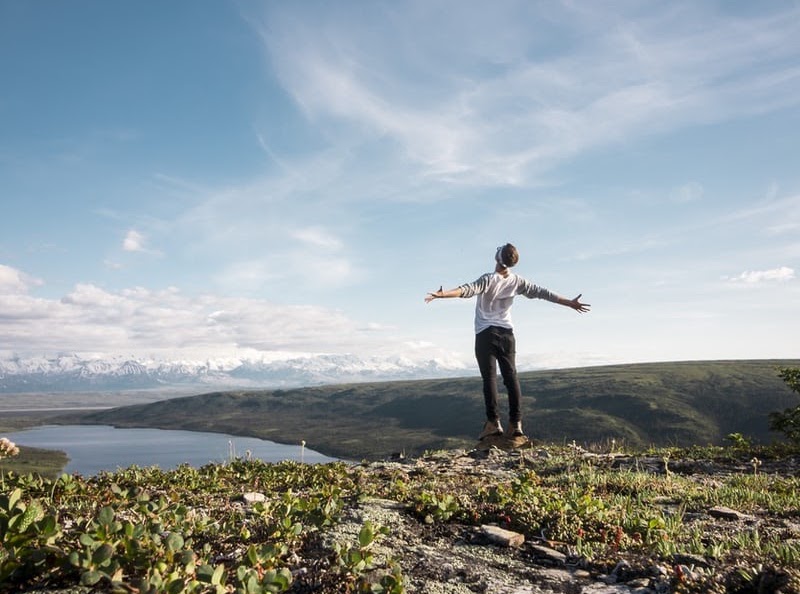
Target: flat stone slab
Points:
(551, 555)
(502, 537)
(720, 511)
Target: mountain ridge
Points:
(72, 372)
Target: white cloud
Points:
(133, 242)
(754, 277)
(137, 242)
(15, 281)
(140, 320)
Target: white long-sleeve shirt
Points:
(496, 295)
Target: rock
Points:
(505, 538)
(720, 511)
(549, 554)
(608, 579)
(621, 571)
(691, 560)
(556, 580)
(792, 529)
(605, 589)
(252, 497)
(658, 570)
(487, 452)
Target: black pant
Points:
(495, 346)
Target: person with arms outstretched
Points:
(494, 333)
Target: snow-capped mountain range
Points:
(72, 372)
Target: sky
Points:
(269, 179)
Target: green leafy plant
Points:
(788, 421)
(391, 583)
(356, 562)
(27, 537)
(739, 441)
(263, 572)
(435, 507)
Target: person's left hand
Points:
(578, 306)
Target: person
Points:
(494, 333)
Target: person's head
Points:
(506, 256)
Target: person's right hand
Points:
(431, 296)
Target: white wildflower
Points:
(8, 448)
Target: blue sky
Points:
(199, 179)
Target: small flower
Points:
(8, 448)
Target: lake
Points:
(94, 448)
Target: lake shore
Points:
(91, 449)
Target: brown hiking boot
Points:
(490, 429)
(516, 429)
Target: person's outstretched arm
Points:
(440, 294)
(574, 304)
(532, 291)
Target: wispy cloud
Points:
(784, 228)
(290, 227)
(318, 237)
(112, 265)
(287, 256)
(502, 112)
(756, 277)
(248, 276)
(688, 192)
(773, 216)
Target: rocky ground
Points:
(453, 558)
(439, 552)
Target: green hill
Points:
(679, 403)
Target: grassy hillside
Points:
(682, 403)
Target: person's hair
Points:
(509, 255)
